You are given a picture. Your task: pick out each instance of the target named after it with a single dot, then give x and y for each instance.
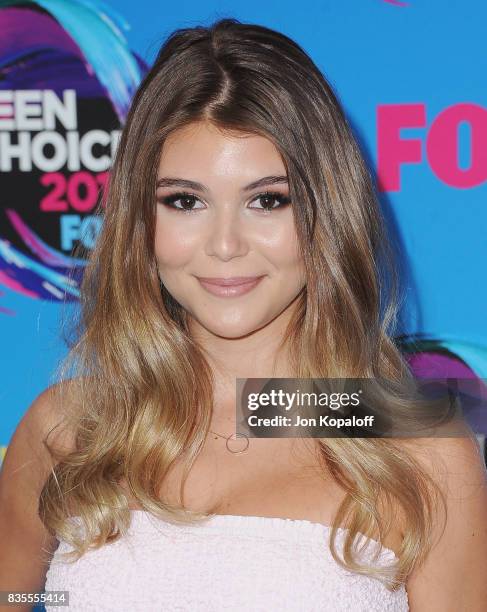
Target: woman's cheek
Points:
(176, 247)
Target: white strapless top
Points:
(230, 563)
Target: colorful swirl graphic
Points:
(56, 45)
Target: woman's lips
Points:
(229, 287)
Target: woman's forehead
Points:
(203, 153)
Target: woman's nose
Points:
(226, 235)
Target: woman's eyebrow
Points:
(185, 183)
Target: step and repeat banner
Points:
(410, 76)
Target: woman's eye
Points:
(185, 201)
(268, 201)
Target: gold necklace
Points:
(234, 436)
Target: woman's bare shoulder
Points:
(458, 467)
(46, 415)
(438, 455)
(43, 422)
(23, 473)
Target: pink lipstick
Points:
(229, 287)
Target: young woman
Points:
(241, 239)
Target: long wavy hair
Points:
(140, 388)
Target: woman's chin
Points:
(232, 330)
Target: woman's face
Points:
(220, 229)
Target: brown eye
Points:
(187, 201)
(269, 199)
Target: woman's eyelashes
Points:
(187, 200)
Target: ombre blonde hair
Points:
(141, 390)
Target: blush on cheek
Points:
(166, 246)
